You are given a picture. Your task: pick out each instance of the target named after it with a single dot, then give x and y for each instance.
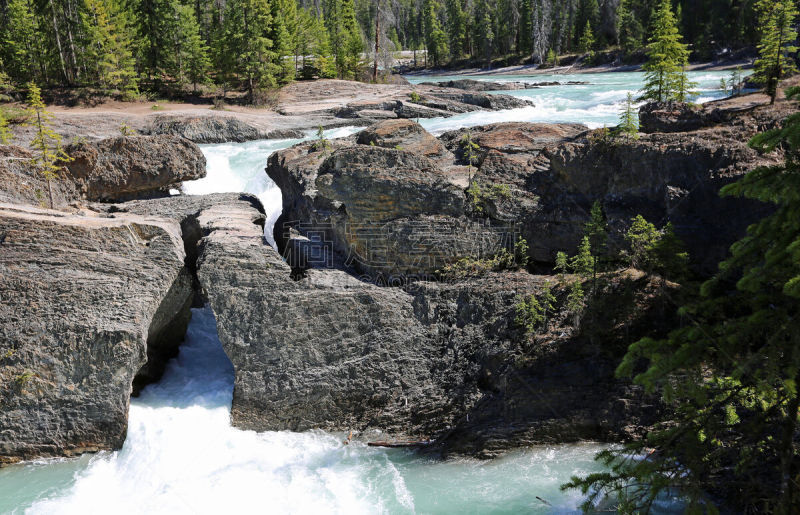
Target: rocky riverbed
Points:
(347, 328)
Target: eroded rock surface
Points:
(330, 351)
(127, 167)
(80, 297)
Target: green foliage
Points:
(629, 120)
(778, 35)
(23, 378)
(665, 78)
(586, 43)
(480, 194)
(729, 373)
(582, 263)
(109, 55)
(552, 58)
(476, 267)
(125, 130)
(49, 156)
(576, 301)
(415, 97)
(5, 132)
(562, 264)
(629, 29)
(641, 237)
(322, 142)
(735, 81)
(533, 312)
(596, 230)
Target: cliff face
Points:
(428, 360)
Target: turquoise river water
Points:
(181, 454)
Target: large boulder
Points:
(212, 129)
(133, 166)
(86, 301)
(389, 213)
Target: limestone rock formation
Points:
(330, 351)
(132, 166)
(84, 298)
(213, 129)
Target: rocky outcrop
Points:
(21, 183)
(330, 351)
(391, 202)
(749, 113)
(213, 129)
(86, 301)
(133, 166)
(107, 170)
(388, 212)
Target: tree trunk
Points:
(377, 41)
(50, 192)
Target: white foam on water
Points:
(182, 456)
(239, 167)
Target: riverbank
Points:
(536, 69)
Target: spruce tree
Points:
(629, 29)
(596, 230)
(665, 78)
(730, 373)
(586, 42)
(191, 62)
(456, 27)
(582, 263)
(247, 50)
(525, 27)
(49, 156)
(777, 40)
(629, 119)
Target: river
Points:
(181, 454)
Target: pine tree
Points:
(777, 40)
(282, 32)
(665, 78)
(586, 43)
(456, 27)
(525, 27)
(596, 231)
(629, 29)
(247, 49)
(49, 157)
(194, 53)
(629, 119)
(582, 263)
(562, 265)
(108, 51)
(576, 301)
(435, 38)
(730, 373)
(642, 236)
(22, 42)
